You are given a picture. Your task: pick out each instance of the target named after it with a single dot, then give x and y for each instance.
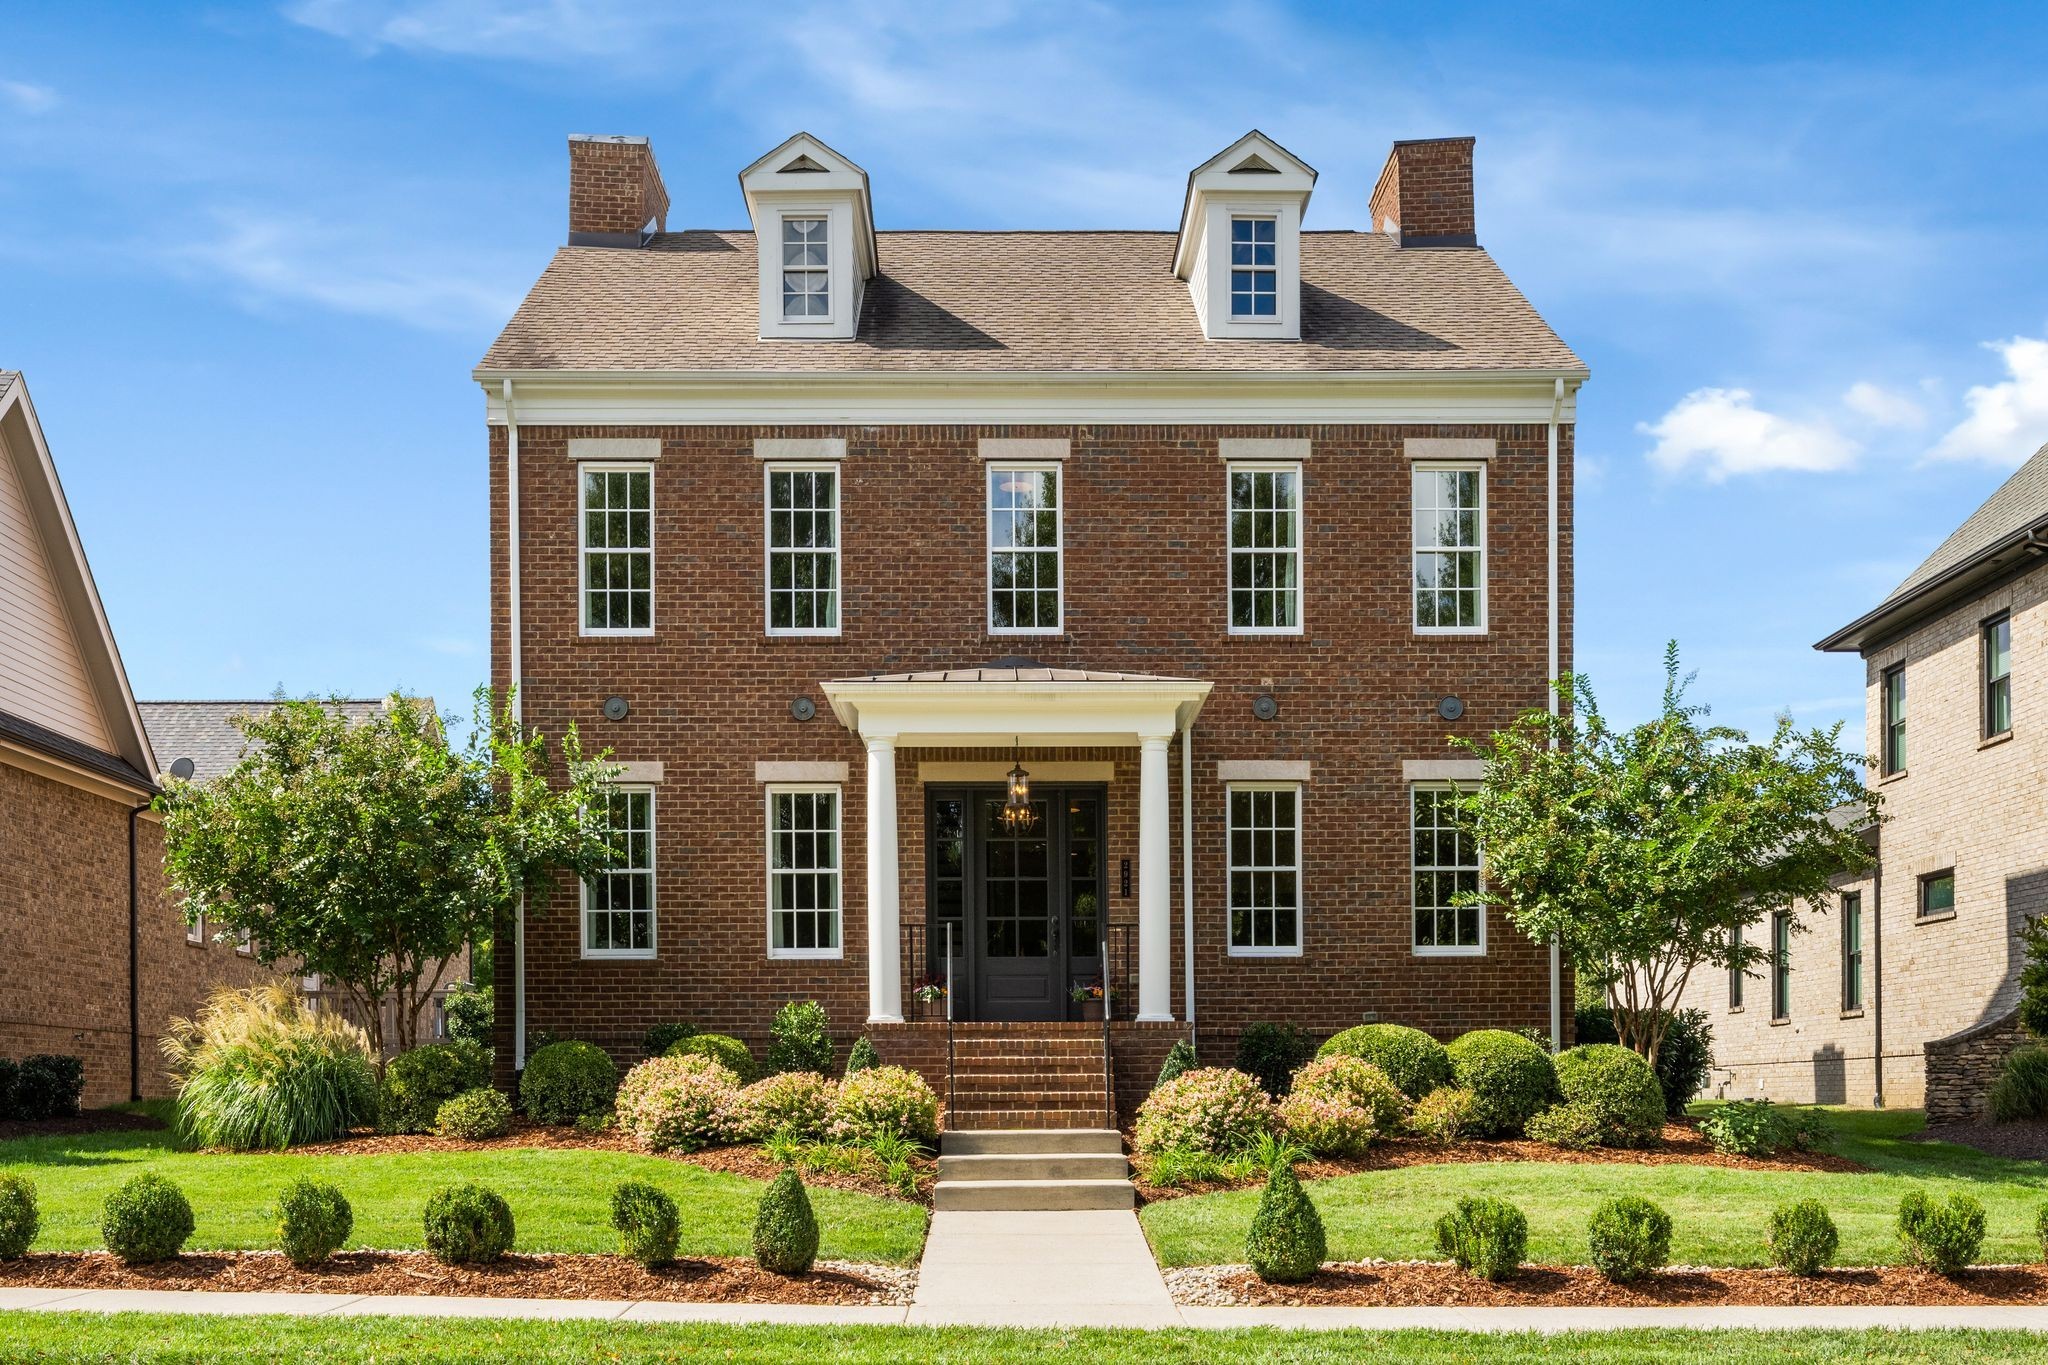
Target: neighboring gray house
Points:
(1902, 992)
(204, 733)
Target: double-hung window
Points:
(1445, 858)
(1265, 549)
(1781, 966)
(1894, 701)
(618, 903)
(1254, 268)
(1852, 950)
(1997, 676)
(618, 549)
(1024, 569)
(803, 550)
(806, 268)
(1450, 548)
(803, 872)
(1265, 870)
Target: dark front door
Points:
(1024, 905)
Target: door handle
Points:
(1053, 934)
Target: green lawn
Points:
(1718, 1213)
(559, 1198)
(161, 1339)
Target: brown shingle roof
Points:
(1037, 302)
(204, 731)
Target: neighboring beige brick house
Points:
(1957, 691)
(94, 956)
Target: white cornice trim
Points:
(42, 765)
(615, 398)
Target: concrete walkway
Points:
(1079, 1268)
(991, 1314)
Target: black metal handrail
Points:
(949, 1020)
(1108, 1010)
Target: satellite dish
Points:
(182, 769)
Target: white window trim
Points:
(768, 473)
(245, 944)
(782, 268)
(839, 273)
(1230, 551)
(653, 948)
(195, 932)
(1276, 318)
(1485, 558)
(1422, 950)
(838, 793)
(583, 547)
(1300, 886)
(988, 550)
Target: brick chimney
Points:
(1424, 197)
(615, 191)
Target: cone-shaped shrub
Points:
(146, 1220)
(862, 1056)
(1803, 1237)
(467, 1224)
(647, 1223)
(1180, 1058)
(1629, 1237)
(1286, 1244)
(313, 1220)
(19, 1220)
(785, 1229)
(1486, 1237)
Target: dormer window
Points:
(1240, 241)
(806, 270)
(1254, 288)
(814, 231)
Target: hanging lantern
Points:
(1018, 815)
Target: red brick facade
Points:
(1426, 190)
(64, 936)
(614, 186)
(1145, 580)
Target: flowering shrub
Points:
(1211, 1109)
(795, 1102)
(1442, 1116)
(1328, 1127)
(885, 1099)
(1348, 1080)
(680, 1102)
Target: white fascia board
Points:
(971, 714)
(724, 398)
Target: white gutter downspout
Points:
(1556, 963)
(518, 708)
(1187, 868)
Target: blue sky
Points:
(248, 256)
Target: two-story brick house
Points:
(1902, 992)
(1087, 600)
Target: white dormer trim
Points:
(803, 178)
(1254, 178)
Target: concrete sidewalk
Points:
(990, 1314)
(1077, 1268)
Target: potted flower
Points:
(1088, 996)
(931, 991)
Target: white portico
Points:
(1037, 707)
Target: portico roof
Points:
(1015, 699)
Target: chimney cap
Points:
(626, 138)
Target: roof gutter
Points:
(1553, 663)
(491, 377)
(1860, 634)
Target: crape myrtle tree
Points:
(1644, 851)
(370, 851)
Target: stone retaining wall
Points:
(1962, 1066)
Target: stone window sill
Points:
(1941, 918)
(1735, 1009)
(1852, 1014)
(1892, 777)
(1994, 741)
(638, 638)
(1780, 1023)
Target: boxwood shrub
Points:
(566, 1081)
(1271, 1053)
(417, 1083)
(313, 1221)
(146, 1220)
(785, 1229)
(19, 1217)
(474, 1115)
(1802, 1237)
(727, 1051)
(468, 1224)
(1943, 1237)
(1511, 1079)
(1286, 1244)
(1620, 1089)
(1629, 1237)
(1484, 1236)
(1411, 1058)
(647, 1223)
(48, 1086)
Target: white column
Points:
(885, 947)
(1155, 895)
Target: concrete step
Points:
(1034, 1194)
(1035, 1166)
(1031, 1142)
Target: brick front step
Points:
(1025, 1117)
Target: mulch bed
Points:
(1682, 1146)
(2023, 1139)
(92, 1121)
(699, 1280)
(736, 1160)
(1408, 1284)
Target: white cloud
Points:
(1882, 406)
(302, 261)
(1720, 432)
(29, 99)
(2006, 421)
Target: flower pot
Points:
(1091, 1011)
